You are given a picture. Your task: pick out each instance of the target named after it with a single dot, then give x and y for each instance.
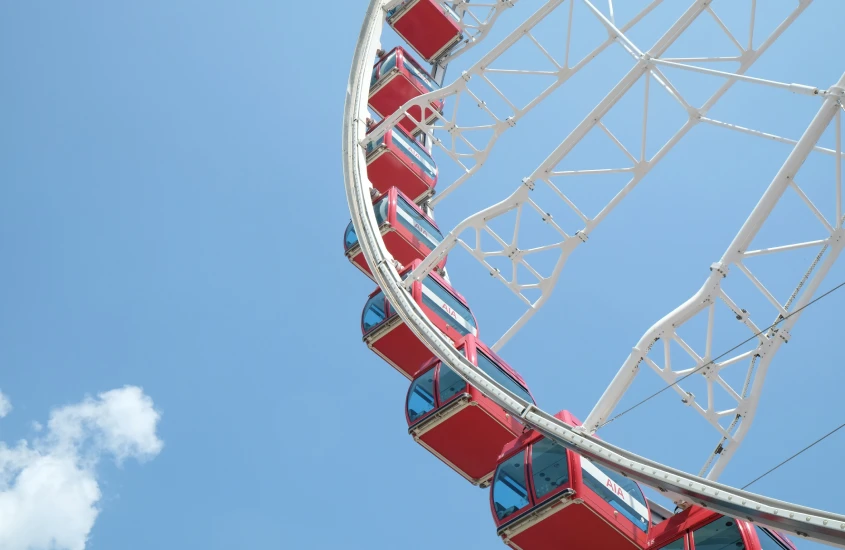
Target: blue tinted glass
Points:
(373, 145)
(500, 376)
(549, 467)
(450, 384)
(393, 11)
(417, 224)
(419, 75)
(373, 312)
(609, 492)
(509, 492)
(674, 545)
(447, 307)
(350, 239)
(767, 540)
(722, 533)
(421, 396)
(388, 64)
(380, 209)
(415, 153)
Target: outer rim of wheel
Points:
(810, 523)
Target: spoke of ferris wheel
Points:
(712, 292)
(462, 97)
(813, 524)
(479, 222)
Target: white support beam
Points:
(771, 340)
(813, 524)
(543, 175)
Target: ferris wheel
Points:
(415, 136)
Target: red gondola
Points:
(703, 530)
(397, 79)
(546, 498)
(398, 160)
(407, 232)
(430, 27)
(387, 335)
(455, 421)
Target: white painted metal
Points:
(455, 139)
(814, 524)
(645, 64)
(741, 415)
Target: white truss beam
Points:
(768, 341)
(464, 143)
(645, 64)
(811, 523)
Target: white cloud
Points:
(48, 487)
(5, 405)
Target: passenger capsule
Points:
(544, 497)
(430, 27)
(397, 79)
(387, 335)
(455, 421)
(407, 232)
(398, 160)
(700, 528)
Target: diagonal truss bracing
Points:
(469, 145)
(733, 422)
(647, 69)
(811, 523)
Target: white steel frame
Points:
(811, 523)
(457, 139)
(769, 341)
(646, 65)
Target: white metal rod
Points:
(725, 29)
(795, 88)
(733, 255)
(794, 185)
(763, 290)
(766, 135)
(838, 123)
(784, 248)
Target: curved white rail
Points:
(811, 523)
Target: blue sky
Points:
(171, 216)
